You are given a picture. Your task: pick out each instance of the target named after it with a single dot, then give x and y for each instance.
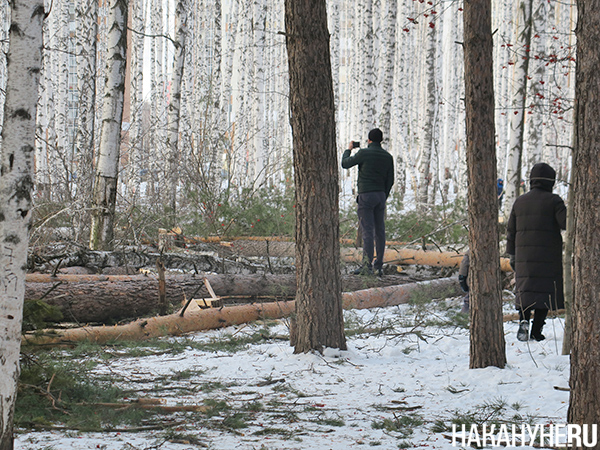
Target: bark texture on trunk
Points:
(584, 404)
(206, 319)
(24, 59)
(319, 317)
(105, 187)
(487, 333)
(101, 298)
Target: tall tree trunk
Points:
(536, 86)
(136, 132)
(567, 264)
(42, 171)
(386, 73)
(24, 62)
(430, 107)
(259, 129)
(584, 403)
(319, 318)
(87, 15)
(181, 11)
(512, 182)
(487, 333)
(105, 186)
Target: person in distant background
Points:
(463, 279)
(534, 245)
(500, 186)
(375, 180)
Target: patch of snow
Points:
(338, 400)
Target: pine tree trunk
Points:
(487, 333)
(319, 319)
(584, 403)
(105, 186)
(24, 61)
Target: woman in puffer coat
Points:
(534, 244)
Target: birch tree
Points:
(487, 345)
(181, 10)
(512, 182)
(42, 124)
(536, 85)
(386, 72)
(105, 185)
(429, 104)
(136, 132)
(24, 60)
(87, 17)
(4, 25)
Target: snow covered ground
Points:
(400, 382)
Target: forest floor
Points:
(402, 383)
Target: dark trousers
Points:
(371, 215)
(539, 319)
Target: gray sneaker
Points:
(523, 332)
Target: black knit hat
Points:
(376, 135)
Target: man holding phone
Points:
(375, 180)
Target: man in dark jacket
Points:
(375, 180)
(534, 244)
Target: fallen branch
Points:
(157, 405)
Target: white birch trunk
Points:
(453, 107)
(136, 131)
(386, 77)
(63, 156)
(503, 14)
(366, 90)
(16, 189)
(42, 124)
(536, 92)
(513, 177)
(181, 11)
(105, 186)
(87, 16)
(240, 85)
(4, 24)
(259, 140)
(428, 143)
(156, 147)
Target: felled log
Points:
(206, 319)
(106, 299)
(401, 256)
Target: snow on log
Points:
(207, 319)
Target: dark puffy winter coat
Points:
(533, 237)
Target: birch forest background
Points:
(206, 115)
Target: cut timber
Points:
(397, 295)
(413, 256)
(106, 299)
(208, 319)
